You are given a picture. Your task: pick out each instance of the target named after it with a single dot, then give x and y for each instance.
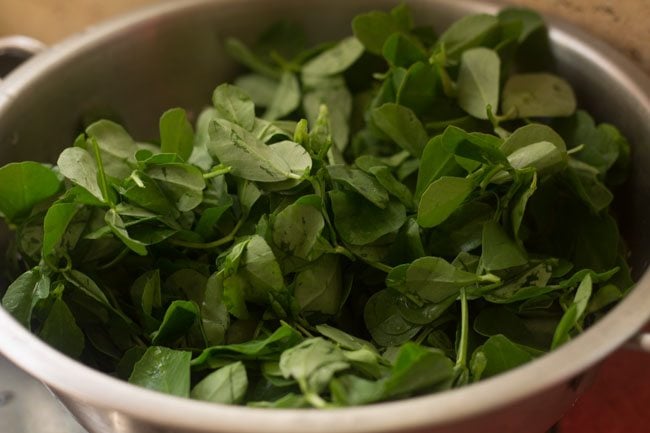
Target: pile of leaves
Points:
(391, 214)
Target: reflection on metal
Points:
(26, 406)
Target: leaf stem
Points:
(491, 278)
(461, 355)
(115, 261)
(315, 400)
(380, 266)
(208, 245)
(303, 330)
(575, 149)
(217, 171)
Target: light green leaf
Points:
(478, 81)
(79, 166)
(336, 59)
(249, 158)
(176, 133)
(117, 147)
(227, 385)
(538, 95)
(286, 98)
(312, 364)
(165, 370)
(233, 105)
(182, 183)
(297, 227)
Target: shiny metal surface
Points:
(26, 406)
(170, 55)
(14, 50)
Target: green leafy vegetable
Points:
(369, 219)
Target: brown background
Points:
(624, 23)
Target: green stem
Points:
(461, 358)
(217, 171)
(116, 260)
(303, 330)
(380, 266)
(575, 149)
(490, 278)
(315, 400)
(209, 245)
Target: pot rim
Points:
(75, 380)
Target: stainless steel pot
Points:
(171, 55)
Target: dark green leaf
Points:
(179, 317)
(23, 185)
(319, 287)
(362, 183)
(500, 355)
(474, 145)
(359, 222)
(436, 161)
(416, 369)
(373, 28)
(442, 198)
(402, 126)
(434, 280)
(467, 32)
(24, 293)
(118, 228)
(271, 347)
(61, 331)
(499, 251)
(384, 321)
(401, 50)
(55, 224)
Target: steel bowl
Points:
(172, 54)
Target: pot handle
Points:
(639, 342)
(14, 50)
